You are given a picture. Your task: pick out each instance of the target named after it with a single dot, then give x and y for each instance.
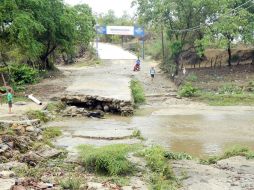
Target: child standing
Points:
(9, 99)
(152, 72)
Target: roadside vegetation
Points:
(108, 160)
(225, 94)
(162, 176)
(137, 92)
(233, 151)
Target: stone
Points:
(18, 128)
(7, 184)
(31, 158)
(3, 148)
(98, 114)
(106, 108)
(7, 174)
(11, 165)
(18, 187)
(49, 153)
(96, 186)
(127, 188)
(30, 129)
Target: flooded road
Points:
(199, 134)
(176, 124)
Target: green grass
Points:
(108, 160)
(162, 176)
(71, 183)
(233, 151)
(137, 134)
(55, 106)
(137, 92)
(177, 156)
(225, 100)
(37, 114)
(188, 90)
(51, 132)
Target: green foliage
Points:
(71, 183)
(37, 114)
(233, 151)
(110, 160)
(192, 77)
(230, 89)
(187, 90)
(162, 176)
(22, 74)
(177, 156)
(137, 134)
(154, 49)
(51, 132)
(137, 92)
(250, 86)
(215, 99)
(55, 106)
(33, 31)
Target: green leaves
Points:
(33, 30)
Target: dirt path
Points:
(176, 124)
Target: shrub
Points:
(163, 176)
(71, 183)
(137, 92)
(177, 156)
(110, 160)
(22, 74)
(250, 86)
(137, 134)
(230, 89)
(192, 77)
(51, 132)
(187, 90)
(37, 114)
(56, 106)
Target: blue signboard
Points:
(101, 29)
(139, 31)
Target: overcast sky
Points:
(102, 6)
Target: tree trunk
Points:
(229, 53)
(177, 65)
(162, 44)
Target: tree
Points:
(34, 31)
(231, 24)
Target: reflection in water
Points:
(198, 135)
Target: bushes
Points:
(110, 160)
(71, 183)
(137, 92)
(187, 90)
(36, 114)
(51, 132)
(230, 89)
(22, 74)
(162, 177)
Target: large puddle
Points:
(200, 134)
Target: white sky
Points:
(102, 6)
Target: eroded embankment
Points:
(109, 105)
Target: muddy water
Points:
(197, 134)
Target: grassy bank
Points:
(225, 94)
(233, 151)
(137, 92)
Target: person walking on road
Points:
(152, 72)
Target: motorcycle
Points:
(136, 67)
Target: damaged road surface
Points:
(105, 87)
